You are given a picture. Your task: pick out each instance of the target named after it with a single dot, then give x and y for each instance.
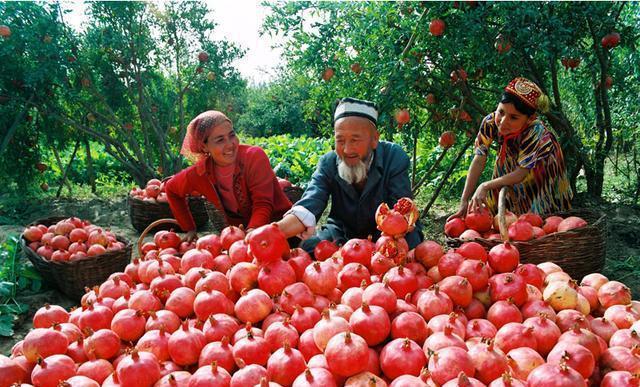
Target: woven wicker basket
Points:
(71, 278)
(163, 223)
(144, 213)
(294, 193)
(579, 252)
(216, 217)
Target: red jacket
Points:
(259, 196)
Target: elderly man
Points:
(360, 174)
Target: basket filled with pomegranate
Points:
(573, 239)
(149, 204)
(74, 254)
(245, 310)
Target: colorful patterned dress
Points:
(546, 188)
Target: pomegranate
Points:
(102, 344)
(575, 356)
(503, 312)
(229, 235)
(447, 139)
(352, 275)
(571, 223)
(252, 350)
(324, 250)
(545, 331)
(515, 335)
(490, 363)
(357, 251)
(555, 375)
(409, 325)
(521, 230)
(11, 372)
(509, 218)
(551, 224)
(185, 345)
(44, 342)
(433, 302)
(436, 27)
(614, 293)
(48, 372)
(275, 275)
(504, 257)
(447, 363)
(534, 219)
(371, 323)
(560, 295)
(138, 369)
(522, 361)
(97, 370)
(328, 327)
(321, 277)
(480, 328)
(253, 306)
(156, 342)
(443, 339)
(268, 243)
(454, 227)
(347, 354)
(128, 324)
(315, 377)
(480, 221)
(400, 357)
(49, 315)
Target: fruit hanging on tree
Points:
(436, 27)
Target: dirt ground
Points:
(623, 246)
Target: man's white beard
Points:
(352, 174)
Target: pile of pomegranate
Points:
(480, 224)
(236, 310)
(70, 239)
(154, 192)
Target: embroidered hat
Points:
(527, 91)
(352, 107)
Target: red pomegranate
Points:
(548, 375)
(504, 257)
(268, 243)
(534, 219)
(571, 223)
(324, 250)
(447, 139)
(480, 220)
(521, 230)
(347, 354)
(400, 357)
(454, 227)
(551, 224)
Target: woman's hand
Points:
(462, 211)
(479, 198)
(191, 236)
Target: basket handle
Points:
(151, 226)
(502, 209)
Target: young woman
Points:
(529, 158)
(236, 178)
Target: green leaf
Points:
(6, 288)
(6, 325)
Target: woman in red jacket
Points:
(236, 178)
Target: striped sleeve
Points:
(485, 136)
(536, 146)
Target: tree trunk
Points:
(90, 172)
